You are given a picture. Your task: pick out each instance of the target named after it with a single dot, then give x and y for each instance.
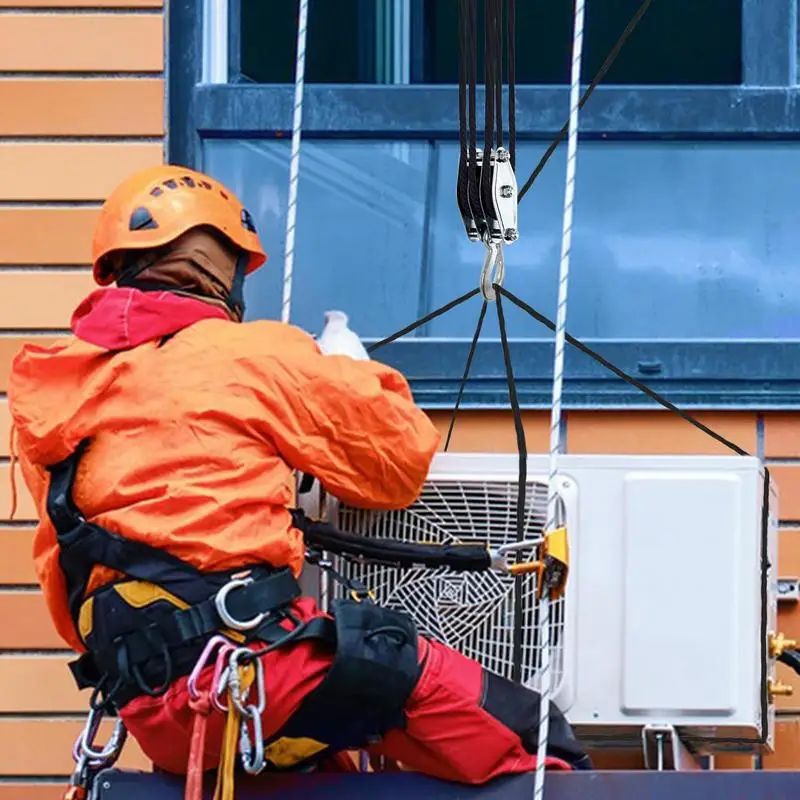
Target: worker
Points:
(181, 427)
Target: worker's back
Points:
(192, 436)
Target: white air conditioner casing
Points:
(667, 608)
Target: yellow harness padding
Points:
(288, 750)
(139, 594)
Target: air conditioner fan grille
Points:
(489, 617)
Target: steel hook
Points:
(494, 269)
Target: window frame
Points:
(736, 374)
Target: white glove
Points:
(337, 339)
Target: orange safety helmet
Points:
(157, 205)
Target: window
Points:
(360, 240)
(268, 31)
(710, 255)
(678, 42)
(686, 232)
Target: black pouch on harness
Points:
(363, 695)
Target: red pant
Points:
(448, 734)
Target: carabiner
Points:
(234, 682)
(494, 269)
(251, 750)
(85, 747)
(213, 643)
(219, 682)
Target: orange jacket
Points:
(194, 439)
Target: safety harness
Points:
(151, 626)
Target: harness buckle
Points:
(220, 601)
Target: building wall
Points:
(82, 98)
(81, 105)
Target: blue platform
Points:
(618, 785)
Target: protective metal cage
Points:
(489, 617)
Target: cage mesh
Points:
(490, 617)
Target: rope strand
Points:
(545, 672)
(294, 165)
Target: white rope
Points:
(294, 166)
(545, 672)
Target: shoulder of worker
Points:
(257, 338)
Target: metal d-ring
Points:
(494, 269)
(220, 601)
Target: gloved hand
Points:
(337, 339)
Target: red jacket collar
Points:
(123, 318)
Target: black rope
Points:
(422, 320)
(511, 65)
(497, 68)
(522, 487)
(489, 129)
(462, 185)
(607, 64)
(620, 373)
(473, 188)
(465, 376)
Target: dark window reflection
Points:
(340, 44)
(677, 42)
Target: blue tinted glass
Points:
(360, 227)
(671, 240)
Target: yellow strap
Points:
(230, 739)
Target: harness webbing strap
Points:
(84, 545)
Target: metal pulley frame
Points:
(487, 192)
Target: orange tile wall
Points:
(81, 105)
(82, 99)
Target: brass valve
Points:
(778, 644)
(778, 689)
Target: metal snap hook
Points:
(494, 270)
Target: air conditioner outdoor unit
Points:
(671, 596)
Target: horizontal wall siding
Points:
(70, 171)
(16, 565)
(34, 235)
(56, 294)
(82, 107)
(82, 43)
(657, 432)
(82, 98)
(782, 452)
